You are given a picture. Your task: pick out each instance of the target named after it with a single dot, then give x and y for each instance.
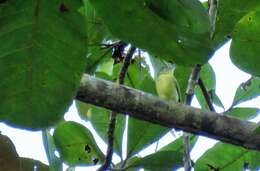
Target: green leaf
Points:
(27, 164)
(42, 52)
(99, 118)
(182, 74)
(55, 162)
(76, 144)
(142, 134)
(171, 40)
(177, 145)
(97, 34)
(160, 161)
(243, 113)
(9, 159)
(243, 51)
(247, 91)
(229, 13)
(226, 157)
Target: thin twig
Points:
(112, 120)
(194, 77)
(213, 11)
(206, 95)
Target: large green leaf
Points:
(99, 118)
(229, 13)
(160, 161)
(247, 91)
(246, 38)
(42, 57)
(9, 159)
(76, 144)
(226, 157)
(139, 23)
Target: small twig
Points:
(206, 95)
(112, 120)
(213, 11)
(193, 80)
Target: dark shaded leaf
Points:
(136, 21)
(27, 164)
(9, 159)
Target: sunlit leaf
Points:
(76, 144)
(226, 157)
(247, 91)
(99, 118)
(243, 113)
(160, 161)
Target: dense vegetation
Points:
(46, 47)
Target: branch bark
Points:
(153, 109)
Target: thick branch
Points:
(153, 109)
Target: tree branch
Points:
(213, 11)
(193, 80)
(112, 119)
(153, 109)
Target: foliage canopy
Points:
(46, 46)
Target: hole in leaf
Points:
(87, 148)
(249, 19)
(95, 160)
(57, 154)
(63, 8)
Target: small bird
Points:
(167, 85)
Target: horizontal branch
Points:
(153, 109)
